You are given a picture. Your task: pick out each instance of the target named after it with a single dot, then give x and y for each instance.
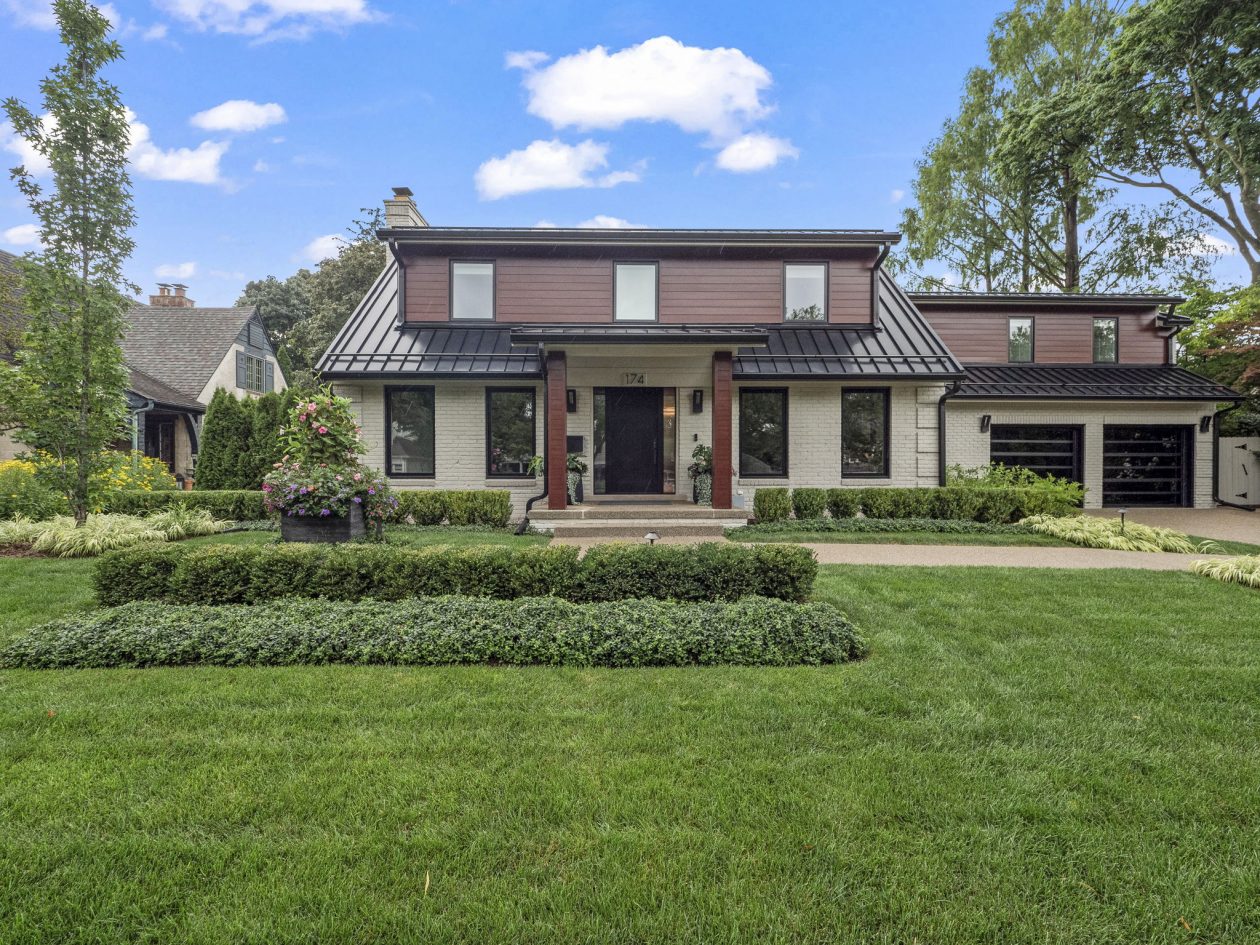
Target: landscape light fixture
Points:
(651, 537)
(1123, 513)
(697, 401)
(984, 423)
(570, 400)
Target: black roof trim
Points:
(1042, 298)
(1090, 382)
(489, 235)
(638, 334)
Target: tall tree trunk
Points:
(1071, 235)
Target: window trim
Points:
(886, 473)
(1093, 340)
(494, 290)
(783, 312)
(655, 264)
(533, 393)
(1032, 338)
(787, 442)
(389, 429)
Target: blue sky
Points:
(263, 127)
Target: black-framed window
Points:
(763, 432)
(472, 290)
(805, 292)
(1019, 340)
(1106, 340)
(635, 293)
(410, 420)
(511, 432)
(864, 425)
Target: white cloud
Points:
(548, 165)
(525, 59)
(544, 225)
(155, 32)
(36, 14)
(896, 195)
(184, 270)
(604, 222)
(320, 248)
(1209, 245)
(265, 20)
(24, 234)
(239, 114)
(714, 91)
(754, 152)
(261, 166)
(199, 165)
(32, 160)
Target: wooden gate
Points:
(1239, 470)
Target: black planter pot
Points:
(316, 528)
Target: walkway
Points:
(1221, 523)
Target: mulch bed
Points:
(21, 551)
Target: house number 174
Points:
(632, 377)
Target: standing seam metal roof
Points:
(1090, 382)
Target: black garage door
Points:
(1046, 450)
(1147, 465)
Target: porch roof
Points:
(1090, 382)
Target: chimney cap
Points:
(402, 191)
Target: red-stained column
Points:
(556, 435)
(722, 430)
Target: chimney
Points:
(400, 210)
(172, 295)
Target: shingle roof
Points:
(150, 388)
(181, 347)
(904, 346)
(1090, 382)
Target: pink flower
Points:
(310, 406)
(323, 429)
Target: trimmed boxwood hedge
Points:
(454, 506)
(236, 504)
(960, 503)
(444, 630)
(232, 574)
(870, 526)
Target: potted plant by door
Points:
(701, 473)
(320, 489)
(575, 469)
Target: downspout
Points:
(952, 391)
(400, 303)
(520, 529)
(879, 261)
(1216, 460)
(135, 426)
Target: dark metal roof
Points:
(904, 346)
(1090, 382)
(489, 235)
(371, 343)
(640, 334)
(1069, 299)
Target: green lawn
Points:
(1028, 756)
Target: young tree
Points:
(66, 392)
(1224, 344)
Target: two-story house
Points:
(792, 353)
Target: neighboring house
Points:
(792, 353)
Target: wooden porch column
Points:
(555, 437)
(721, 429)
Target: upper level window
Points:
(409, 450)
(1019, 348)
(1106, 340)
(254, 374)
(472, 290)
(805, 292)
(634, 295)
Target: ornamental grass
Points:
(1111, 533)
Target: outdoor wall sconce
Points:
(1205, 424)
(697, 401)
(570, 400)
(984, 423)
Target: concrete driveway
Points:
(1222, 523)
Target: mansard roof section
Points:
(903, 345)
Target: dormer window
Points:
(805, 292)
(1106, 340)
(472, 290)
(1019, 345)
(634, 293)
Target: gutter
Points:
(879, 261)
(1216, 460)
(954, 389)
(400, 311)
(135, 427)
(520, 529)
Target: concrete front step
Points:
(637, 530)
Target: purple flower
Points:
(324, 512)
(357, 499)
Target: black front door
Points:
(633, 418)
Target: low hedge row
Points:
(444, 630)
(964, 503)
(454, 506)
(870, 526)
(232, 574)
(236, 504)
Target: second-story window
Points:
(1019, 345)
(472, 290)
(634, 292)
(805, 292)
(1106, 340)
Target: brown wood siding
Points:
(981, 337)
(580, 291)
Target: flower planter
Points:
(575, 488)
(702, 489)
(323, 528)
